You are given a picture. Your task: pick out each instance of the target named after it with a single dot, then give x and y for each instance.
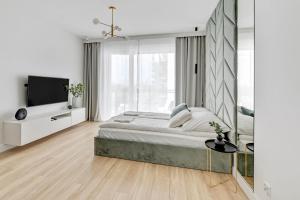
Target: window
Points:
(138, 76)
(246, 70)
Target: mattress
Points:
(245, 124)
(151, 128)
(153, 137)
(246, 138)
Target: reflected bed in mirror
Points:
(245, 143)
(245, 90)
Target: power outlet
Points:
(267, 189)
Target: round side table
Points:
(228, 148)
(250, 146)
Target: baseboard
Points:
(256, 197)
(5, 147)
(245, 187)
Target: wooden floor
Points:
(63, 166)
(250, 181)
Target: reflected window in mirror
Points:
(246, 69)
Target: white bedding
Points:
(149, 115)
(156, 137)
(153, 128)
(200, 122)
(153, 125)
(245, 139)
(245, 124)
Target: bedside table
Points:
(228, 148)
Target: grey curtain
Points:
(91, 80)
(190, 70)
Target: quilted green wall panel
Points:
(221, 64)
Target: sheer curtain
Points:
(156, 75)
(246, 70)
(137, 75)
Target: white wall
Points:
(277, 98)
(31, 46)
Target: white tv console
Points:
(21, 132)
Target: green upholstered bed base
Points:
(250, 163)
(193, 158)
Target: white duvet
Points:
(154, 128)
(150, 124)
(245, 124)
(198, 126)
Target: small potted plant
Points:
(219, 141)
(77, 91)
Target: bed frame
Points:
(193, 158)
(248, 166)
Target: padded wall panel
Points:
(221, 38)
(211, 63)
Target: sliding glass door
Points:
(156, 75)
(137, 76)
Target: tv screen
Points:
(46, 90)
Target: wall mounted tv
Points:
(46, 90)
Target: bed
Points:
(147, 137)
(245, 136)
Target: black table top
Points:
(228, 148)
(250, 146)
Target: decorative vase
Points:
(219, 142)
(76, 102)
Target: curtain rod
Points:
(150, 36)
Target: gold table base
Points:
(208, 165)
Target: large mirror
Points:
(245, 90)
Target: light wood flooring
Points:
(63, 166)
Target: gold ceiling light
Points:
(112, 26)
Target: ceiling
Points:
(136, 17)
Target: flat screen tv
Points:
(46, 90)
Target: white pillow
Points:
(245, 124)
(178, 108)
(180, 118)
(200, 122)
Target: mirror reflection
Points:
(245, 93)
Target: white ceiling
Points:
(136, 17)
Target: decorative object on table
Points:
(226, 136)
(113, 28)
(21, 114)
(69, 107)
(228, 147)
(77, 91)
(219, 141)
